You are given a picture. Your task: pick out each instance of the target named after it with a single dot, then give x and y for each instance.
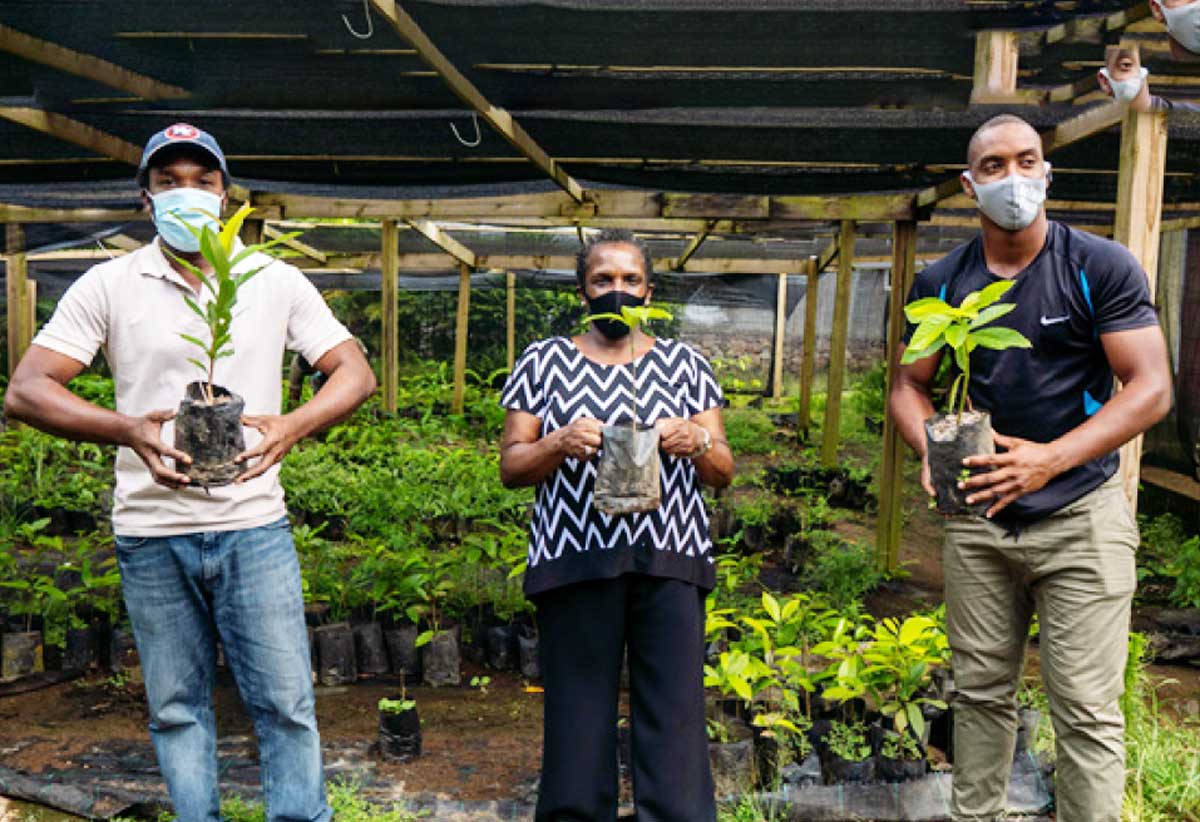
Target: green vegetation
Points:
(940, 324)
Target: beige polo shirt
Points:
(133, 308)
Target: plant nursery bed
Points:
(91, 734)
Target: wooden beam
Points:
(510, 318)
(444, 241)
(460, 338)
(780, 336)
(828, 255)
(1082, 125)
(891, 477)
(73, 131)
(498, 118)
(389, 358)
(16, 293)
(693, 245)
(295, 244)
(604, 203)
(87, 66)
(996, 57)
(1139, 214)
(837, 344)
(812, 283)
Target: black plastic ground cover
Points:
(122, 778)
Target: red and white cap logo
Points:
(181, 131)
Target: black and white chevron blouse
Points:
(570, 541)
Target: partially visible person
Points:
(1126, 80)
(201, 565)
(606, 583)
(1182, 21)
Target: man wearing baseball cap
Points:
(201, 565)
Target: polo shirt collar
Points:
(155, 263)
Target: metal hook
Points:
(370, 23)
(478, 135)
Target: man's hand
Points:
(279, 434)
(1021, 469)
(144, 436)
(581, 439)
(679, 437)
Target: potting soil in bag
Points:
(400, 735)
(949, 443)
(211, 435)
(627, 476)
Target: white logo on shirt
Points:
(1054, 320)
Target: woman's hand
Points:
(581, 439)
(679, 437)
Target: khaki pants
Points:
(1076, 569)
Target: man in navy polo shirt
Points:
(1059, 536)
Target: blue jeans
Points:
(182, 592)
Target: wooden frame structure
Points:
(996, 77)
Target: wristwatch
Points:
(705, 446)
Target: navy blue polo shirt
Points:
(1078, 287)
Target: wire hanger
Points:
(370, 23)
(478, 135)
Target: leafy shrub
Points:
(749, 431)
(844, 570)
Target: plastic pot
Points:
(949, 441)
(399, 735)
(627, 472)
(500, 645)
(401, 644)
(335, 654)
(369, 649)
(211, 435)
(82, 649)
(440, 660)
(20, 654)
(527, 646)
(122, 649)
(732, 766)
(844, 770)
(900, 770)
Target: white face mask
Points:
(1013, 202)
(1126, 90)
(1184, 24)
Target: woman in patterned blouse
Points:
(604, 584)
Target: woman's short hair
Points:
(609, 236)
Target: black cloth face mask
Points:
(611, 303)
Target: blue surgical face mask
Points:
(194, 206)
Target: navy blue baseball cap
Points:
(181, 134)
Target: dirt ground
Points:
(475, 745)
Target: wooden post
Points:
(460, 338)
(510, 317)
(809, 357)
(1172, 261)
(252, 232)
(891, 475)
(1139, 215)
(780, 336)
(837, 343)
(17, 291)
(389, 358)
(996, 58)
